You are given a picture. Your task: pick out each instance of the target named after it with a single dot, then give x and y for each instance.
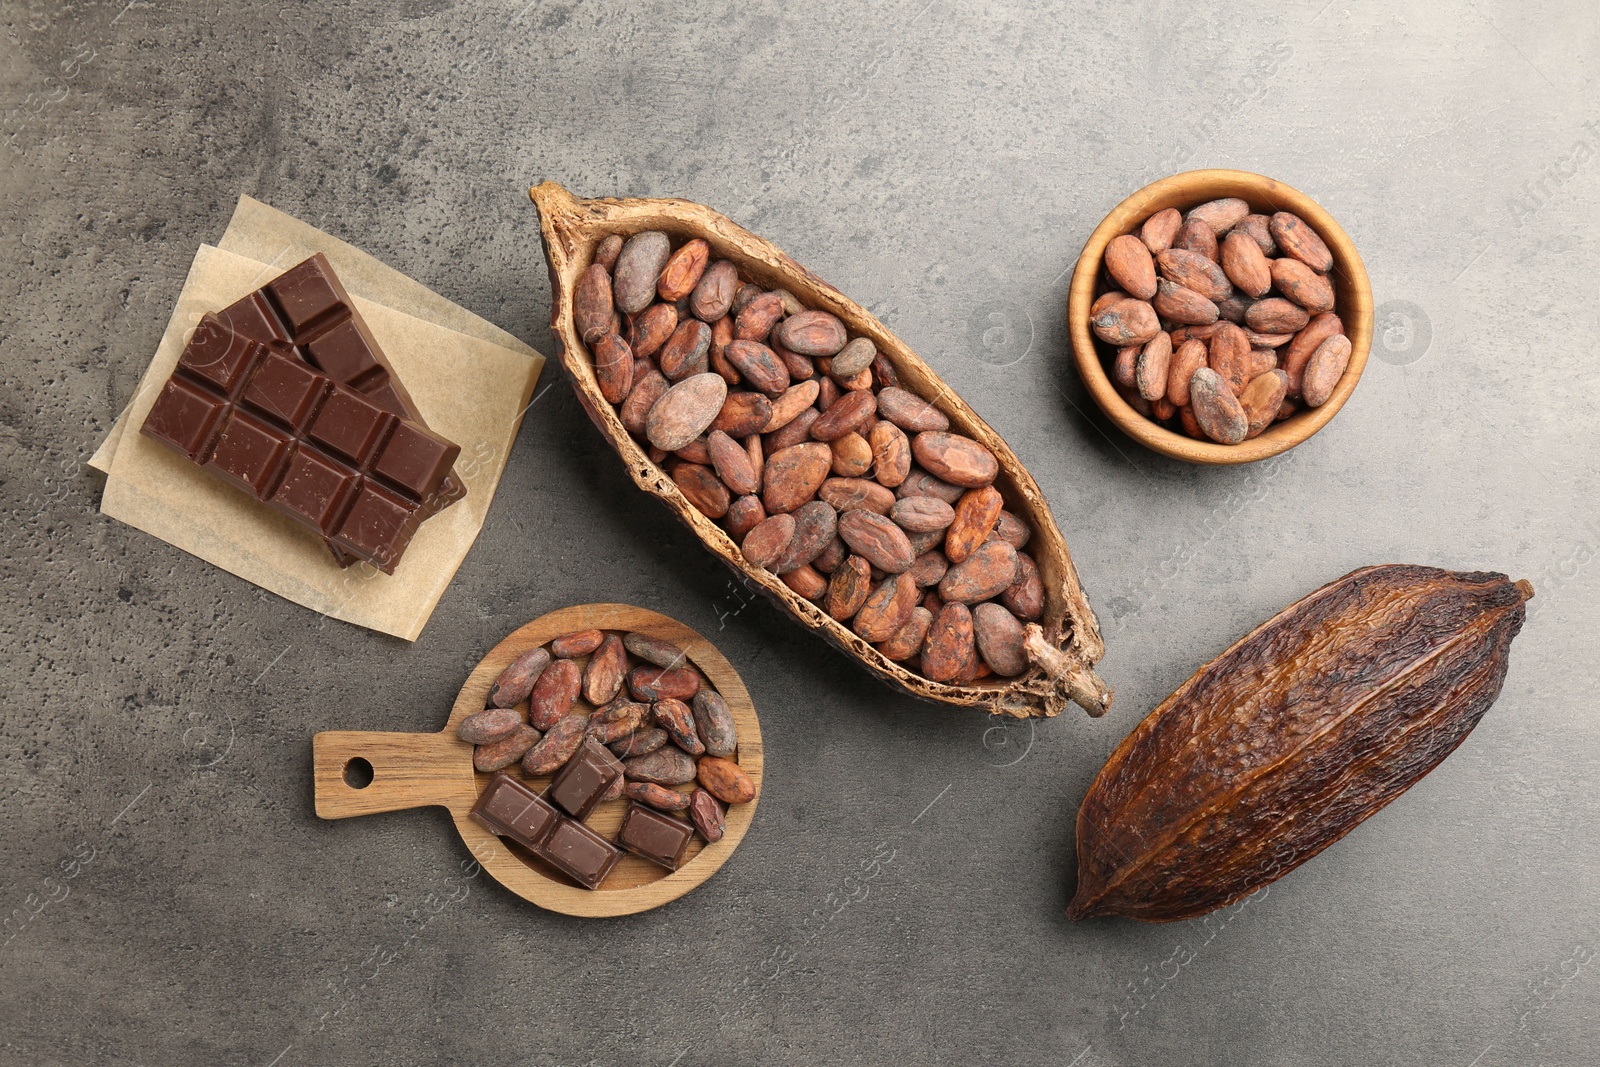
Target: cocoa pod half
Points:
(1285, 742)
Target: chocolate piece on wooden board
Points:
(657, 837)
(581, 784)
(509, 809)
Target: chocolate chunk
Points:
(581, 784)
(512, 810)
(579, 853)
(657, 837)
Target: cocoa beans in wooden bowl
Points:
(1219, 316)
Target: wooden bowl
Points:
(420, 770)
(1184, 191)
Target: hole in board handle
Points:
(357, 773)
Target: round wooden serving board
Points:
(423, 770)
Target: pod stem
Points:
(1082, 685)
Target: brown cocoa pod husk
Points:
(955, 459)
(652, 328)
(848, 588)
(886, 609)
(766, 543)
(1245, 265)
(796, 431)
(1276, 315)
(638, 268)
(1012, 530)
(1126, 322)
(616, 720)
(853, 358)
(758, 365)
(793, 402)
(743, 413)
(833, 555)
(726, 780)
(683, 270)
(793, 475)
(852, 456)
(517, 680)
(948, 652)
(695, 452)
(721, 337)
(656, 796)
(807, 581)
(1234, 309)
(1195, 272)
(488, 726)
(714, 725)
(876, 539)
(1299, 241)
(653, 650)
(641, 398)
(650, 684)
(1197, 237)
(986, 573)
(910, 412)
(891, 453)
(713, 293)
(687, 351)
(639, 743)
(1125, 366)
(1105, 300)
(675, 717)
(1261, 400)
(814, 333)
(1259, 227)
(908, 639)
(707, 814)
(920, 483)
(1151, 366)
(703, 488)
(602, 678)
(1301, 284)
(1175, 302)
(744, 514)
(613, 367)
(592, 308)
(1221, 215)
(668, 765)
(685, 411)
(554, 693)
(501, 754)
(1216, 409)
(732, 464)
(1324, 369)
(922, 514)
(1228, 354)
(815, 523)
(928, 568)
(578, 643)
(1159, 229)
(1128, 262)
(1024, 598)
(975, 515)
(1190, 357)
(848, 493)
(607, 251)
(755, 320)
(851, 410)
(998, 635)
(1319, 329)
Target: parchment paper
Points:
(472, 384)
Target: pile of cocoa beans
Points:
(801, 442)
(1220, 322)
(634, 693)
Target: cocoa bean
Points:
(1024, 598)
(744, 515)
(1267, 340)
(886, 609)
(1105, 300)
(1305, 342)
(920, 483)
(1128, 262)
(1159, 229)
(703, 488)
(613, 368)
(1221, 215)
(1261, 400)
(713, 293)
(656, 796)
(1234, 309)
(652, 328)
(1276, 315)
(639, 743)
(1300, 241)
(797, 398)
(797, 431)
(578, 643)
(1125, 368)
(685, 411)
(695, 452)
(812, 333)
(1245, 265)
(1126, 322)
(975, 515)
(988, 572)
(791, 303)
(707, 814)
(806, 581)
(955, 459)
(687, 351)
(1229, 355)
(948, 652)
(766, 543)
(1175, 302)
(1216, 409)
(647, 389)
(1197, 237)
(877, 540)
(516, 681)
(1012, 530)
(758, 365)
(922, 514)
(592, 308)
(852, 456)
(755, 321)
(908, 639)
(831, 556)
(794, 475)
(910, 412)
(884, 375)
(1324, 369)
(726, 780)
(1151, 366)
(815, 523)
(721, 337)
(653, 650)
(668, 765)
(732, 464)
(602, 678)
(1190, 357)
(854, 358)
(998, 635)
(714, 724)
(616, 720)
(488, 726)
(891, 451)
(498, 755)
(1302, 285)
(848, 588)
(607, 251)
(633, 279)
(553, 694)
(1194, 272)
(743, 413)
(743, 296)
(845, 416)
(674, 717)
(847, 493)
(683, 270)
(650, 684)
(800, 368)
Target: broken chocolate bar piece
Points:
(579, 853)
(657, 837)
(509, 809)
(584, 780)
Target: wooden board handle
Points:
(408, 771)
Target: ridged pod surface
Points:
(1285, 742)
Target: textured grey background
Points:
(169, 897)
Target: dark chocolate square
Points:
(286, 391)
(220, 356)
(316, 490)
(510, 809)
(344, 355)
(656, 836)
(186, 417)
(306, 295)
(250, 453)
(580, 853)
(580, 784)
(351, 426)
(379, 525)
(253, 317)
(415, 460)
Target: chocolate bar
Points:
(579, 785)
(579, 853)
(657, 837)
(321, 453)
(508, 808)
(306, 313)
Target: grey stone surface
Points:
(170, 896)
